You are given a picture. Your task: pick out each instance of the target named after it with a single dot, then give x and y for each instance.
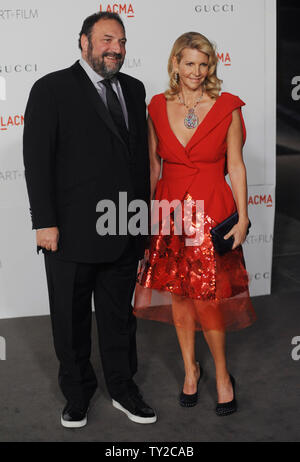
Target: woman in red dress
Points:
(199, 134)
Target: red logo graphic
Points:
(11, 121)
(120, 8)
(259, 199)
(224, 58)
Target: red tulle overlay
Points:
(192, 286)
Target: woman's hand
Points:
(239, 232)
(48, 238)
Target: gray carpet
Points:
(260, 358)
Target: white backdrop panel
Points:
(41, 37)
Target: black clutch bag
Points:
(222, 245)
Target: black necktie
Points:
(115, 109)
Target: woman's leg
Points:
(182, 309)
(216, 342)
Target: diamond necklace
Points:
(191, 120)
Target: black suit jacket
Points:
(74, 157)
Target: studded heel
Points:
(190, 400)
(230, 407)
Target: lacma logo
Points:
(259, 199)
(11, 121)
(120, 8)
(224, 58)
(2, 89)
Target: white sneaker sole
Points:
(134, 418)
(76, 424)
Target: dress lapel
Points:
(94, 98)
(171, 139)
(211, 120)
(223, 108)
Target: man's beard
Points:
(99, 66)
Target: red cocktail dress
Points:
(213, 288)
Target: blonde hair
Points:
(194, 40)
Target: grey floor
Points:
(268, 379)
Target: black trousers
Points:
(71, 286)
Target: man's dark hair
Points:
(89, 22)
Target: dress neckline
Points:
(197, 129)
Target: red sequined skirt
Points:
(191, 286)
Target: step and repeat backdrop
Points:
(39, 36)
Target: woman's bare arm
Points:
(238, 177)
(155, 161)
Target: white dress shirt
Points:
(101, 89)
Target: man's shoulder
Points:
(131, 80)
(55, 76)
(54, 79)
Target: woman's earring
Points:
(177, 77)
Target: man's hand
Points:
(47, 238)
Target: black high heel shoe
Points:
(231, 406)
(190, 400)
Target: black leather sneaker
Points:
(136, 409)
(72, 417)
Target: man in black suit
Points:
(85, 140)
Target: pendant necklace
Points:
(191, 120)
